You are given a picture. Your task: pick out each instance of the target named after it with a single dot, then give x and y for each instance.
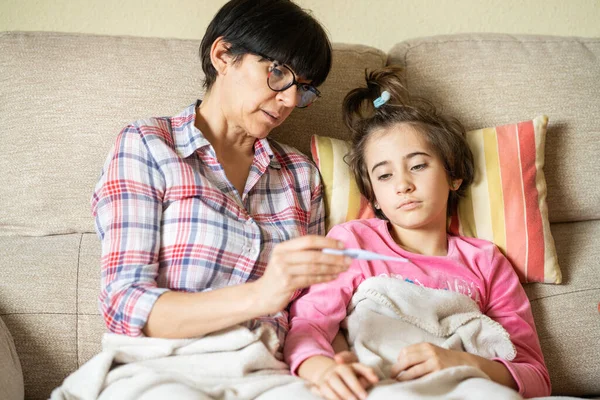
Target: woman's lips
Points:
(273, 117)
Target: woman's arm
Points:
(128, 204)
(294, 265)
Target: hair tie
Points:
(381, 100)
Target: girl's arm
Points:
(315, 316)
(420, 359)
(508, 305)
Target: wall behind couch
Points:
(379, 23)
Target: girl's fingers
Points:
(345, 357)
(351, 380)
(327, 392)
(366, 372)
(339, 387)
(414, 372)
(408, 357)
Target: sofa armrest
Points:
(11, 375)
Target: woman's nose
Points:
(289, 96)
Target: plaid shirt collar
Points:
(187, 138)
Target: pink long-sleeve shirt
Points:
(473, 267)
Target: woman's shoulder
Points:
(175, 131)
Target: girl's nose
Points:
(404, 186)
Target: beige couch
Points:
(64, 97)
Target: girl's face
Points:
(251, 104)
(409, 181)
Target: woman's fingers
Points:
(327, 267)
(307, 242)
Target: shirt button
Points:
(249, 221)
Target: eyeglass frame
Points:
(292, 83)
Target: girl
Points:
(412, 164)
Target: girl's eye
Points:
(383, 177)
(418, 167)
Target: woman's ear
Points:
(220, 57)
(456, 184)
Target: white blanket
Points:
(387, 314)
(232, 364)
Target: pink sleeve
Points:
(508, 305)
(316, 315)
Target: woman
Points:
(206, 224)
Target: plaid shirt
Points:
(169, 219)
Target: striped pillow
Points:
(338, 182)
(505, 205)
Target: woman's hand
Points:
(296, 264)
(421, 359)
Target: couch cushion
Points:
(566, 316)
(65, 97)
(493, 79)
(11, 376)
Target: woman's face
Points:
(252, 105)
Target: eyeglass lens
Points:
(281, 78)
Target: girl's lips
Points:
(409, 205)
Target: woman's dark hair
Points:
(279, 29)
(445, 135)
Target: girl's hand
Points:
(345, 381)
(297, 264)
(420, 359)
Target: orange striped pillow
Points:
(505, 205)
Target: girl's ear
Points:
(456, 184)
(220, 57)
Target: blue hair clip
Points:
(381, 100)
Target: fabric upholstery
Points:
(65, 97)
(11, 376)
(496, 79)
(92, 87)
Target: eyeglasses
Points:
(281, 78)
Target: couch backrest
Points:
(488, 80)
(69, 95)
